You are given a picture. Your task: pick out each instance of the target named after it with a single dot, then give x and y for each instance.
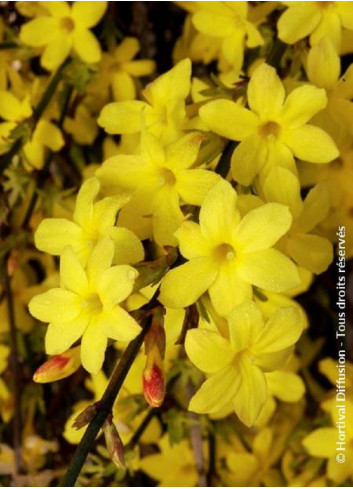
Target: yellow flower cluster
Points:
(205, 204)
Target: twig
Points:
(17, 421)
(141, 428)
(44, 171)
(105, 405)
(9, 45)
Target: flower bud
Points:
(85, 417)
(153, 377)
(114, 444)
(58, 367)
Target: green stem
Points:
(49, 92)
(141, 428)
(8, 45)
(105, 405)
(44, 171)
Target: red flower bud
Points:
(58, 367)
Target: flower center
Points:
(325, 5)
(224, 252)
(93, 304)
(68, 24)
(270, 130)
(167, 177)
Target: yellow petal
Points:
(86, 45)
(321, 442)
(192, 243)
(281, 331)
(209, 351)
(93, 346)
(127, 49)
(167, 216)
(286, 386)
(261, 228)
(128, 248)
(248, 159)
(330, 27)
(56, 51)
(310, 143)
(123, 86)
(11, 109)
(84, 201)
(212, 23)
(245, 324)
(269, 269)
(57, 9)
(122, 117)
(53, 234)
(183, 153)
(282, 186)
(124, 171)
(252, 393)
(72, 274)
(119, 325)
(185, 284)
(116, 284)
(218, 213)
(55, 305)
(193, 185)
(311, 252)
(298, 21)
(265, 92)
(140, 67)
(323, 64)
(228, 290)
(302, 104)
(39, 32)
(339, 472)
(100, 260)
(216, 392)
(88, 14)
(316, 208)
(62, 335)
(49, 135)
(229, 119)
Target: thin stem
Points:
(105, 405)
(8, 45)
(141, 428)
(196, 440)
(49, 92)
(17, 421)
(44, 171)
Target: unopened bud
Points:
(58, 367)
(153, 383)
(85, 417)
(114, 444)
(153, 377)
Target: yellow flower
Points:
(236, 365)
(87, 305)
(323, 68)
(45, 135)
(315, 19)
(273, 130)
(12, 111)
(64, 28)
(322, 443)
(92, 221)
(229, 22)
(6, 404)
(119, 69)
(301, 243)
(163, 113)
(174, 466)
(160, 179)
(228, 255)
(83, 126)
